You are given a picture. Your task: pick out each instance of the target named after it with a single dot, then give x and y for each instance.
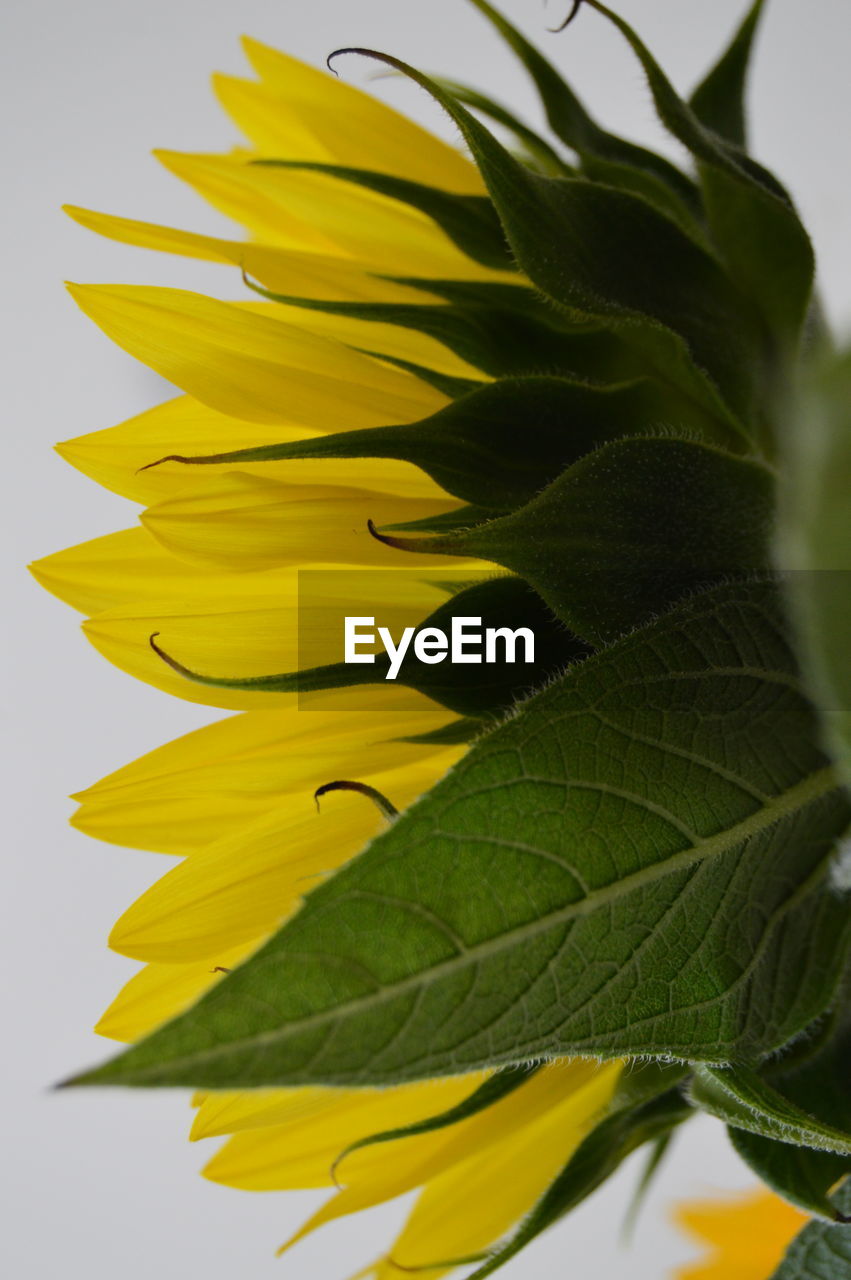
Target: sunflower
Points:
(215, 570)
(554, 376)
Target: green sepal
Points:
(457, 731)
(719, 99)
(598, 350)
(659, 1149)
(504, 333)
(470, 222)
(446, 521)
(627, 530)
(491, 1091)
(605, 254)
(497, 447)
(681, 121)
(634, 863)
(486, 689)
(544, 157)
(604, 155)
(454, 388)
(744, 1099)
(820, 1251)
(752, 219)
(596, 1159)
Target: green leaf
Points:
(496, 447)
(816, 1078)
(595, 1160)
(719, 99)
(742, 1098)
(815, 541)
(607, 255)
(604, 155)
(801, 1175)
(752, 219)
(635, 863)
(627, 530)
(470, 222)
(482, 690)
(820, 1252)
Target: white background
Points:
(104, 1185)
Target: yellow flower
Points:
(214, 568)
(745, 1237)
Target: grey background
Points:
(102, 1185)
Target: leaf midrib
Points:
(794, 799)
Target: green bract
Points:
(643, 858)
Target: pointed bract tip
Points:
(577, 5)
(400, 544)
(76, 1081)
(427, 545)
(379, 537)
(338, 53)
(387, 808)
(169, 457)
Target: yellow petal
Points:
(113, 457)
(477, 1201)
(243, 192)
(253, 366)
(271, 123)
(218, 624)
(118, 569)
(303, 1130)
(160, 992)
(301, 274)
(239, 521)
(747, 1235)
(345, 125)
(267, 1158)
(245, 884)
(299, 209)
(213, 781)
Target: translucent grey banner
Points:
(476, 642)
